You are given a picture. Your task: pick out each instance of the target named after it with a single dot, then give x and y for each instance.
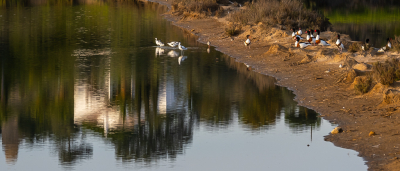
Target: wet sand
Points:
(313, 74)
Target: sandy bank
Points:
(315, 77)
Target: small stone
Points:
(371, 133)
(337, 130)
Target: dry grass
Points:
(396, 44)
(196, 8)
(290, 13)
(350, 62)
(219, 12)
(233, 29)
(386, 73)
(354, 47)
(363, 85)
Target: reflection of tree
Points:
(151, 142)
(69, 151)
(299, 118)
(146, 106)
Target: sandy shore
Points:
(305, 72)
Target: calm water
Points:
(83, 87)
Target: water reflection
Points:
(181, 59)
(56, 88)
(173, 54)
(159, 51)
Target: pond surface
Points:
(83, 87)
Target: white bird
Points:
(294, 35)
(366, 45)
(340, 66)
(173, 54)
(299, 32)
(248, 67)
(157, 42)
(339, 44)
(312, 33)
(208, 43)
(319, 41)
(247, 42)
(181, 59)
(387, 47)
(329, 70)
(159, 51)
(173, 44)
(300, 45)
(309, 38)
(181, 47)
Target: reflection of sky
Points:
(228, 149)
(226, 145)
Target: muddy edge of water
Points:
(317, 90)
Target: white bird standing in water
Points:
(161, 43)
(208, 43)
(248, 67)
(247, 42)
(181, 47)
(173, 44)
(157, 42)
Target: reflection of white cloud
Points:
(92, 105)
(173, 54)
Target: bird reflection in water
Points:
(208, 50)
(181, 59)
(173, 54)
(159, 51)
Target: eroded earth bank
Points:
(314, 75)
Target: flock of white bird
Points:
(311, 40)
(172, 53)
(172, 44)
